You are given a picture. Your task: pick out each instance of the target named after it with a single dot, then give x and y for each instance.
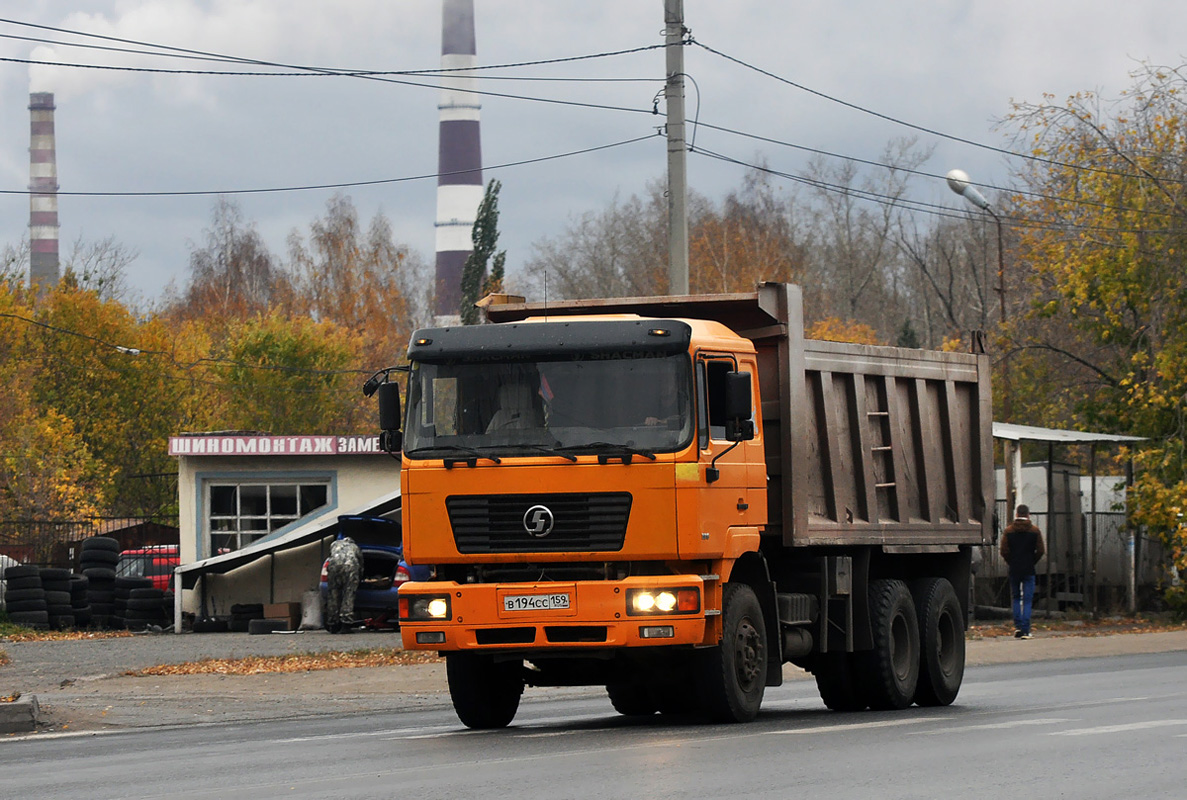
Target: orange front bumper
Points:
(481, 616)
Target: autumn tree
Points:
(360, 279)
(1105, 241)
(485, 238)
(621, 251)
(289, 375)
(754, 236)
(233, 275)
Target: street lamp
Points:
(959, 182)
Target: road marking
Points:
(1132, 726)
(362, 734)
(856, 726)
(989, 726)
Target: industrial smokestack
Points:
(43, 197)
(459, 156)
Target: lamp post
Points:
(959, 182)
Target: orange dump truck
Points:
(673, 497)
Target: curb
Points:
(21, 715)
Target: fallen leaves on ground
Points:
(295, 662)
(1104, 626)
(18, 634)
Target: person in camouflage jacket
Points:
(344, 570)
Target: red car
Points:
(156, 562)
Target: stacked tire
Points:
(123, 594)
(55, 581)
(80, 606)
(242, 615)
(145, 608)
(24, 597)
(97, 564)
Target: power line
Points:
(199, 55)
(132, 351)
(917, 205)
(328, 74)
(912, 125)
(921, 173)
(342, 185)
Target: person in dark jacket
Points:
(1022, 547)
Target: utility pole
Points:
(677, 154)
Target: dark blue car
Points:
(381, 542)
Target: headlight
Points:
(424, 607)
(682, 600)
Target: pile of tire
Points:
(97, 564)
(55, 581)
(24, 597)
(80, 606)
(137, 604)
(243, 613)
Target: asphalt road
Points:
(1084, 728)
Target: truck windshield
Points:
(635, 400)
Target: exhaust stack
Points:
(44, 267)
(459, 157)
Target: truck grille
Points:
(581, 522)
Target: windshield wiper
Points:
(608, 450)
(552, 451)
(471, 458)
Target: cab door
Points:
(724, 491)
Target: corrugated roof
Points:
(1029, 433)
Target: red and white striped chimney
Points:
(459, 156)
(43, 197)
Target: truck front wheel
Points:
(485, 692)
(733, 674)
(941, 637)
(890, 672)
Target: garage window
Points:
(241, 513)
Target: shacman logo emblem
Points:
(538, 521)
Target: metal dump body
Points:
(864, 445)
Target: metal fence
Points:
(56, 543)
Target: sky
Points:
(950, 67)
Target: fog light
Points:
(656, 632)
(430, 637)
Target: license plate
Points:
(535, 602)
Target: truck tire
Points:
(631, 699)
(732, 676)
(836, 680)
(485, 692)
(941, 639)
(889, 673)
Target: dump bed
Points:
(864, 445)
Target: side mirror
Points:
(391, 439)
(739, 427)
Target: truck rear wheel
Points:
(733, 675)
(941, 638)
(485, 692)
(836, 680)
(890, 672)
